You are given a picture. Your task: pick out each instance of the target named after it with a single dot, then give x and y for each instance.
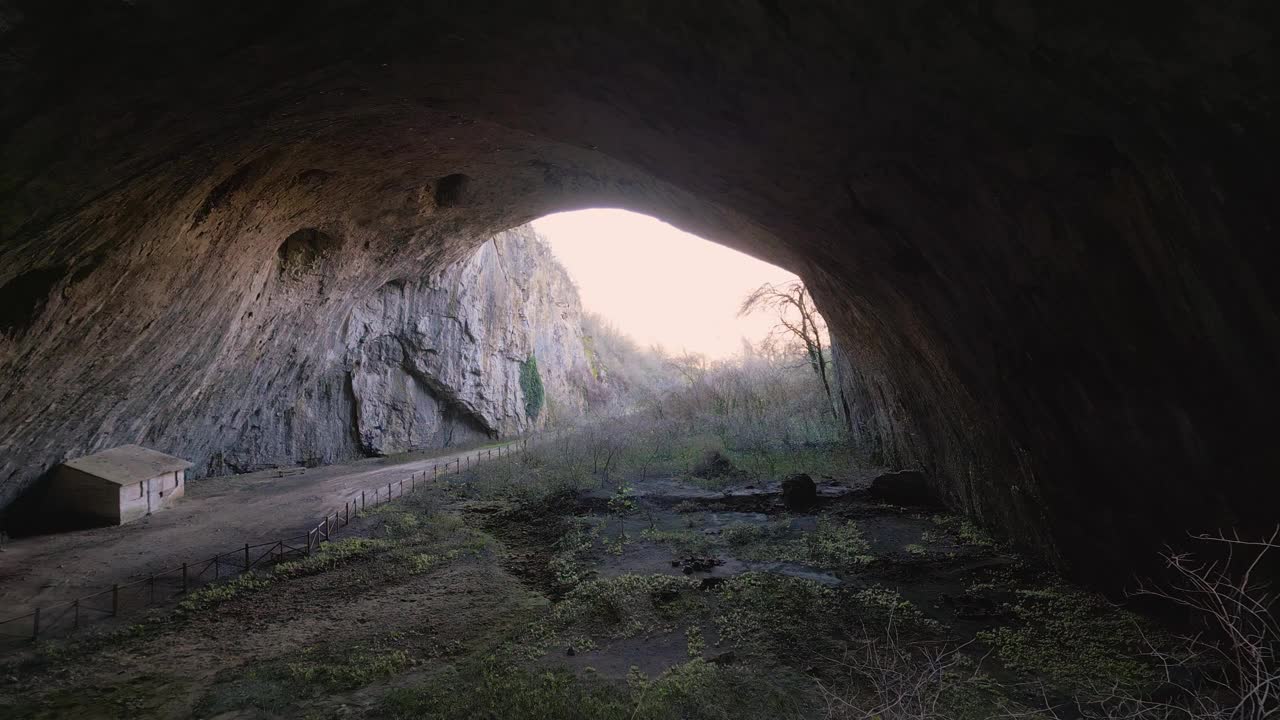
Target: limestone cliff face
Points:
(424, 362)
(440, 359)
(427, 359)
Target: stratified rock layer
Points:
(1043, 233)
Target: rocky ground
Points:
(641, 597)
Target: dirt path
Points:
(216, 516)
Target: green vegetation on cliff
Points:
(531, 384)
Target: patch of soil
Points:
(530, 533)
(651, 655)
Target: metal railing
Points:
(165, 586)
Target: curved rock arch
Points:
(1043, 238)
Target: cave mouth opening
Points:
(698, 349)
(1053, 293)
(661, 285)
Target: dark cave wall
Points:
(1042, 236)
(1093, 403)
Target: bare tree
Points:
(798, 322)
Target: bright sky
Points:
(658, 284)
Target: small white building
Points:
(119, 485)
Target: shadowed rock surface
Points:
(799, 493)
(1043, 237)
(905, 487)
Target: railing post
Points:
(214, 561)
(362, 502)
(388, 492)
(115, 599)
(35, 625)
(246, 557)
(326, 527)
(346, 513)
(184, 578)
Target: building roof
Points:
(128, 464)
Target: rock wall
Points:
(420, 362)
(440, 359)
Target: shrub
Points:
(531, 384)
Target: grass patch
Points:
(694, 690)
(774, 615)
(214, 595)
(277, 685)
(330, 556)
(687, 543)
(797, 619)
(145, 696)
(350, 670)
(627, 605)
(965, 530)
(1074, 641)
(834, 544)
(570, 564)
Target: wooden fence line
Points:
(46, 620)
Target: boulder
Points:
(799, 492)
(904, 487)
(714, 466)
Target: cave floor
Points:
(217, 515)
(649, 598)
